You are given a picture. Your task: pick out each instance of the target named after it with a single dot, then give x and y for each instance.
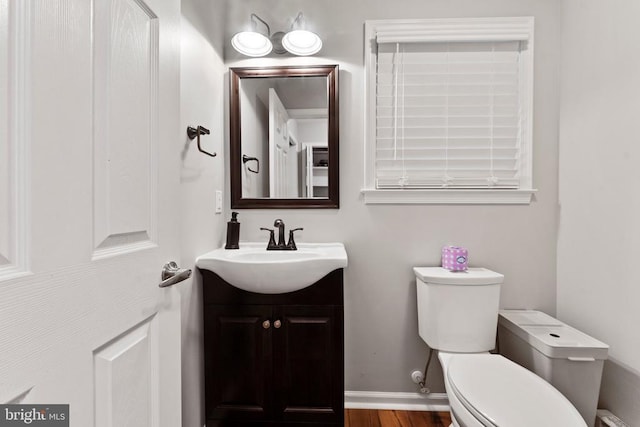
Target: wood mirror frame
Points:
(235, 156)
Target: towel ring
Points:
(246, 159)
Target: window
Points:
(449, 111)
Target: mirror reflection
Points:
(284, 137)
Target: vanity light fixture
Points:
(252, 42)
(297, 41)
(300, 41)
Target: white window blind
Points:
(448, 114)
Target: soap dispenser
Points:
(233, 232)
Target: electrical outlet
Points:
(218, 202)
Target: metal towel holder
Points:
(246, 159)
(195, 133)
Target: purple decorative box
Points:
(455, 258)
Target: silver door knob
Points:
(172, 274)
(277, 324)
(266, 324)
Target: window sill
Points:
(447, 197)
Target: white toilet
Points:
(458, 316)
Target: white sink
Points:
(253, 268)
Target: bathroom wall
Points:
(202, 83)
(382, 344)
(599, 236)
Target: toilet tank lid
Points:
(528, 317)
(552, 337)
(472, 276)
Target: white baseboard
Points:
(396, 401)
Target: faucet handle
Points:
(272, 241)
(292, 244)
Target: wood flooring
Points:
(383, 418)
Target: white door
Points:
(89, 158)
(279, 185)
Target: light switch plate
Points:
(218, 201)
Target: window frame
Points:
(451, 30)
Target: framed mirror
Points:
(284, 137)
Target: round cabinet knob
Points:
(266, 324)
(277, 324)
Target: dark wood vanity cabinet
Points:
(273, 359)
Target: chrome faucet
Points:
(280, 246)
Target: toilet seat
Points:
(500, 393)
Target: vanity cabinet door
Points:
(308, 364)
(238, 362)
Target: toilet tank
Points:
(458, 311)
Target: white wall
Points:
(202, 85)
(382, 344)
(599, 231)
(313, 130)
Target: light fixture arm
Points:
(254, 24)
(299, 20)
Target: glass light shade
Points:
(251, 43)
(302, 42)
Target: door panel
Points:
(89, 131)
(7, 221)
(125, 114)
(125, 370)
(13, 151)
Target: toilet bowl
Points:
(458, 316)
(490, 390)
